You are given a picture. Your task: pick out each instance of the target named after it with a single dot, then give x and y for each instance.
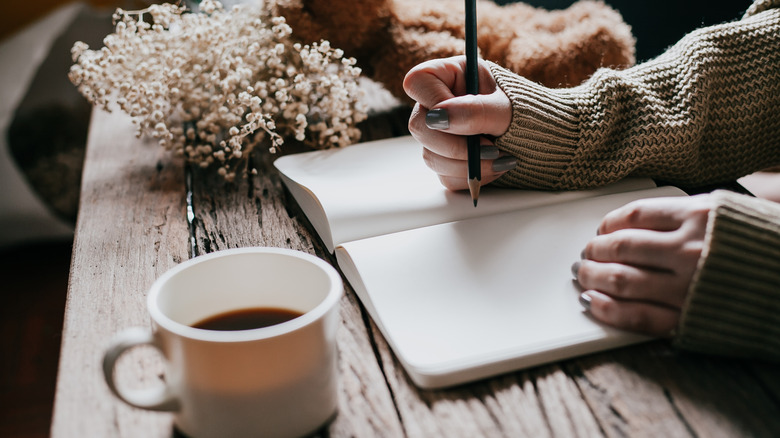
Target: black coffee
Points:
(247, 319)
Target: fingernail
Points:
(582, 255)
(488, 152)
(575, 269)
(437, 118)
(504, 163)
(585, 301)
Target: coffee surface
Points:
(247, 319)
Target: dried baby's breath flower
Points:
(214, 84)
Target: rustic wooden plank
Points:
(130, 229)
(542, 402)
(625, 401)
(366, 407)
(653, 390)
(564, 406)
(646, 390)
(252, 212)
(719, 397)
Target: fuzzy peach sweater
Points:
(705, 112)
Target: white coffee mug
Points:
(276, 381)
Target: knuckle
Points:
(617, 282)
(633, 213)
(413, 76)
(607, 310)
(617, 248)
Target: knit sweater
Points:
(704, 112)
(733, 304)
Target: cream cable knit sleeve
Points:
(706, 111)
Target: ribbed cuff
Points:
(733, 305)
(543, 133)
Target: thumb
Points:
(472, 114)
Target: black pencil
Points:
(472, 87)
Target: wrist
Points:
(732, 303)
(543, 132)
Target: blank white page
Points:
(384, 186)
(465, 300)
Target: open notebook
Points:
(460, 293)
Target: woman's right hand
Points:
(444, 115)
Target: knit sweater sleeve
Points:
(703, 112)
(733, 305)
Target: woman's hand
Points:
(444, 115)
(637, 271)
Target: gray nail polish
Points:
(585, 301)
(575, 269)
(437, 119)
(488, 152)
(504, 163)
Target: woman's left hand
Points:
(636, 272)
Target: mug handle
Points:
(159, 398)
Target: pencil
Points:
(472, 87)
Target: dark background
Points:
(658, 24)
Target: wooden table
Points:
(133, 226)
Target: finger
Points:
(440, 142)
(632, 283)
(661, 214)
(444, 143)
(458, 168)
(635, 316)
(437, 80)
(644, 248)
(473, 114)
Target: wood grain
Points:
(542, 402)
(133, 226)
(131, 229)
(652, 387)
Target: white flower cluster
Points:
(213, 85)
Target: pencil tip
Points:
(474, 189)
